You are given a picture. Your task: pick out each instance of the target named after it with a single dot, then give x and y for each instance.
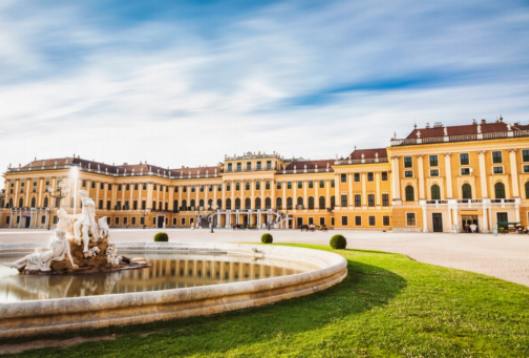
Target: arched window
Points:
(527, 190)
(228, 204)
(278, 203)
(201, 203)
(311, 202)
(247, 203)
(219, 203)
(10, 204)
(33, 202)
(210, 204)
(21, 203)
(192, 204)
(435, 191)
(333, 202)
(466, 191)
(184, 205)
(45, 201)
(237, 203)
(299, 203)
(322, 202)
(258, 203)
(499, 190)
(409, 194)
(289, 203)
(268, 203)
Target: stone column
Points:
(350, 191)
(252, 194)
(305, 196)
(336, 191)
(395, 178)
(105, 195)
(378, 196)
(483, 175)
(327, 194)
(317, 194)
(224, 198)
(420, 169)
(448, 175)
(364, 188)
(149, 196)
(273, 193)
(284, 187)
(514, 176)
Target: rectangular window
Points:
(408, 162)
(343, 200)
(434, 161)
(385, 220)
(228, 187)
(267, 185)
(358, 220)
(248, 165)
(322, 184)
(465, 171)
(408, 174)
(385, 199)
(496, 157)
(434, 172)
(463, 159)
(372, 221)
(268, 164)
(278, 186)
(369, 176)
(289, 185)
(525, 155)
(109, 205)
(358, 200)
(143, 205)
(410, 219)
(498, 170)
(100, 204)
(357, 177)
(344, 220)
(239, 167)
(384, 176)
(343, 178)
(258, 166)
(247, 186)
(311, 184)
(526, 168)
(230, 166)
(371, 200)
(300, 185)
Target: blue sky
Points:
(183, 83)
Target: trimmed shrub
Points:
(161, 237)
(338, 242)
(267, 238)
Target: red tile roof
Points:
(466, 129)
(309, 164)
(372, 153)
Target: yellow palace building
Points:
(472, 177)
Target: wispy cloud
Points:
(184, 83)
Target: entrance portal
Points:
(437, 220)
(160, 221)
(470, 223)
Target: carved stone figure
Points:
(40, 260)
(80, 244)
(85, 224)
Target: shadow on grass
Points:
(364, 288)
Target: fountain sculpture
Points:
(80, 244)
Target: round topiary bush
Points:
(161, 237)
(338, 242)
(267, 238)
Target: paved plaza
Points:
(502, 256)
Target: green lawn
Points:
(389, 305)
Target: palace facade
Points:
(439, 178)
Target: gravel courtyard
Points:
(502, 256)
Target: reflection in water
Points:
(164, 273)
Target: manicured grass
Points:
(388, 306)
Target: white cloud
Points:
(161, 92)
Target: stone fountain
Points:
(80, 244)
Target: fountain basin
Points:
(313, 271)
